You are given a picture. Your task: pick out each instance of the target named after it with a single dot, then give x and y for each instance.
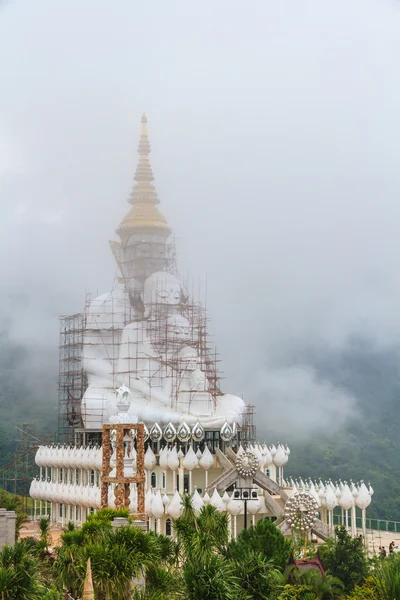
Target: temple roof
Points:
(144, 215)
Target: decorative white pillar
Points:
(181, 480)
(353, 521)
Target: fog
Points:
(275, 147)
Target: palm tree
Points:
(259, 577)
(386, 579)
(12, 502)
(118, 556)
(20, 574)
(323, 585)
(206, 573)
(44, 526)
(201, 535)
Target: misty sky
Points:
(275, 147)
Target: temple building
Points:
(142, 415)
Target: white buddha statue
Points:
(136, 335)
(192, 394)
(152, 355)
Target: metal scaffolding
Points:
(72, 377)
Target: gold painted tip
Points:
(88, 592)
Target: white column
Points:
(364, 525)
(353, 521)
(181, 480)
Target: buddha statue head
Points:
(188, 359)
(178, 329)
(161, 289)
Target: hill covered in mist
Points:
(368, 445)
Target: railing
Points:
(376, 524)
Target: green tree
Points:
(206, 573)
(323, 585)
(44, 527)
(264, 538)
(15, 503)
(259, 578)
(344, 558)
(367, 591)
(117, 557)
(296, 592)
(20, 577)
(386, 579)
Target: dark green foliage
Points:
(258, 577)
(296, 592)
(365, 592)
(264, 539)
(106, 515)
(323, 586)
(44, 526)
(12, 502)
(53, 594)
(117, 556)
(19, 574)
(386, 579)
(344, 558)
(161, 584)
(213, 579)
(206, 574)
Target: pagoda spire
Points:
(143, 190)
(144, 215)
(88, 591)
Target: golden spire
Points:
(144, 215)
(88, 591)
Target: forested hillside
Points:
(368, 447)
(28, 389)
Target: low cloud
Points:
(296, 399)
